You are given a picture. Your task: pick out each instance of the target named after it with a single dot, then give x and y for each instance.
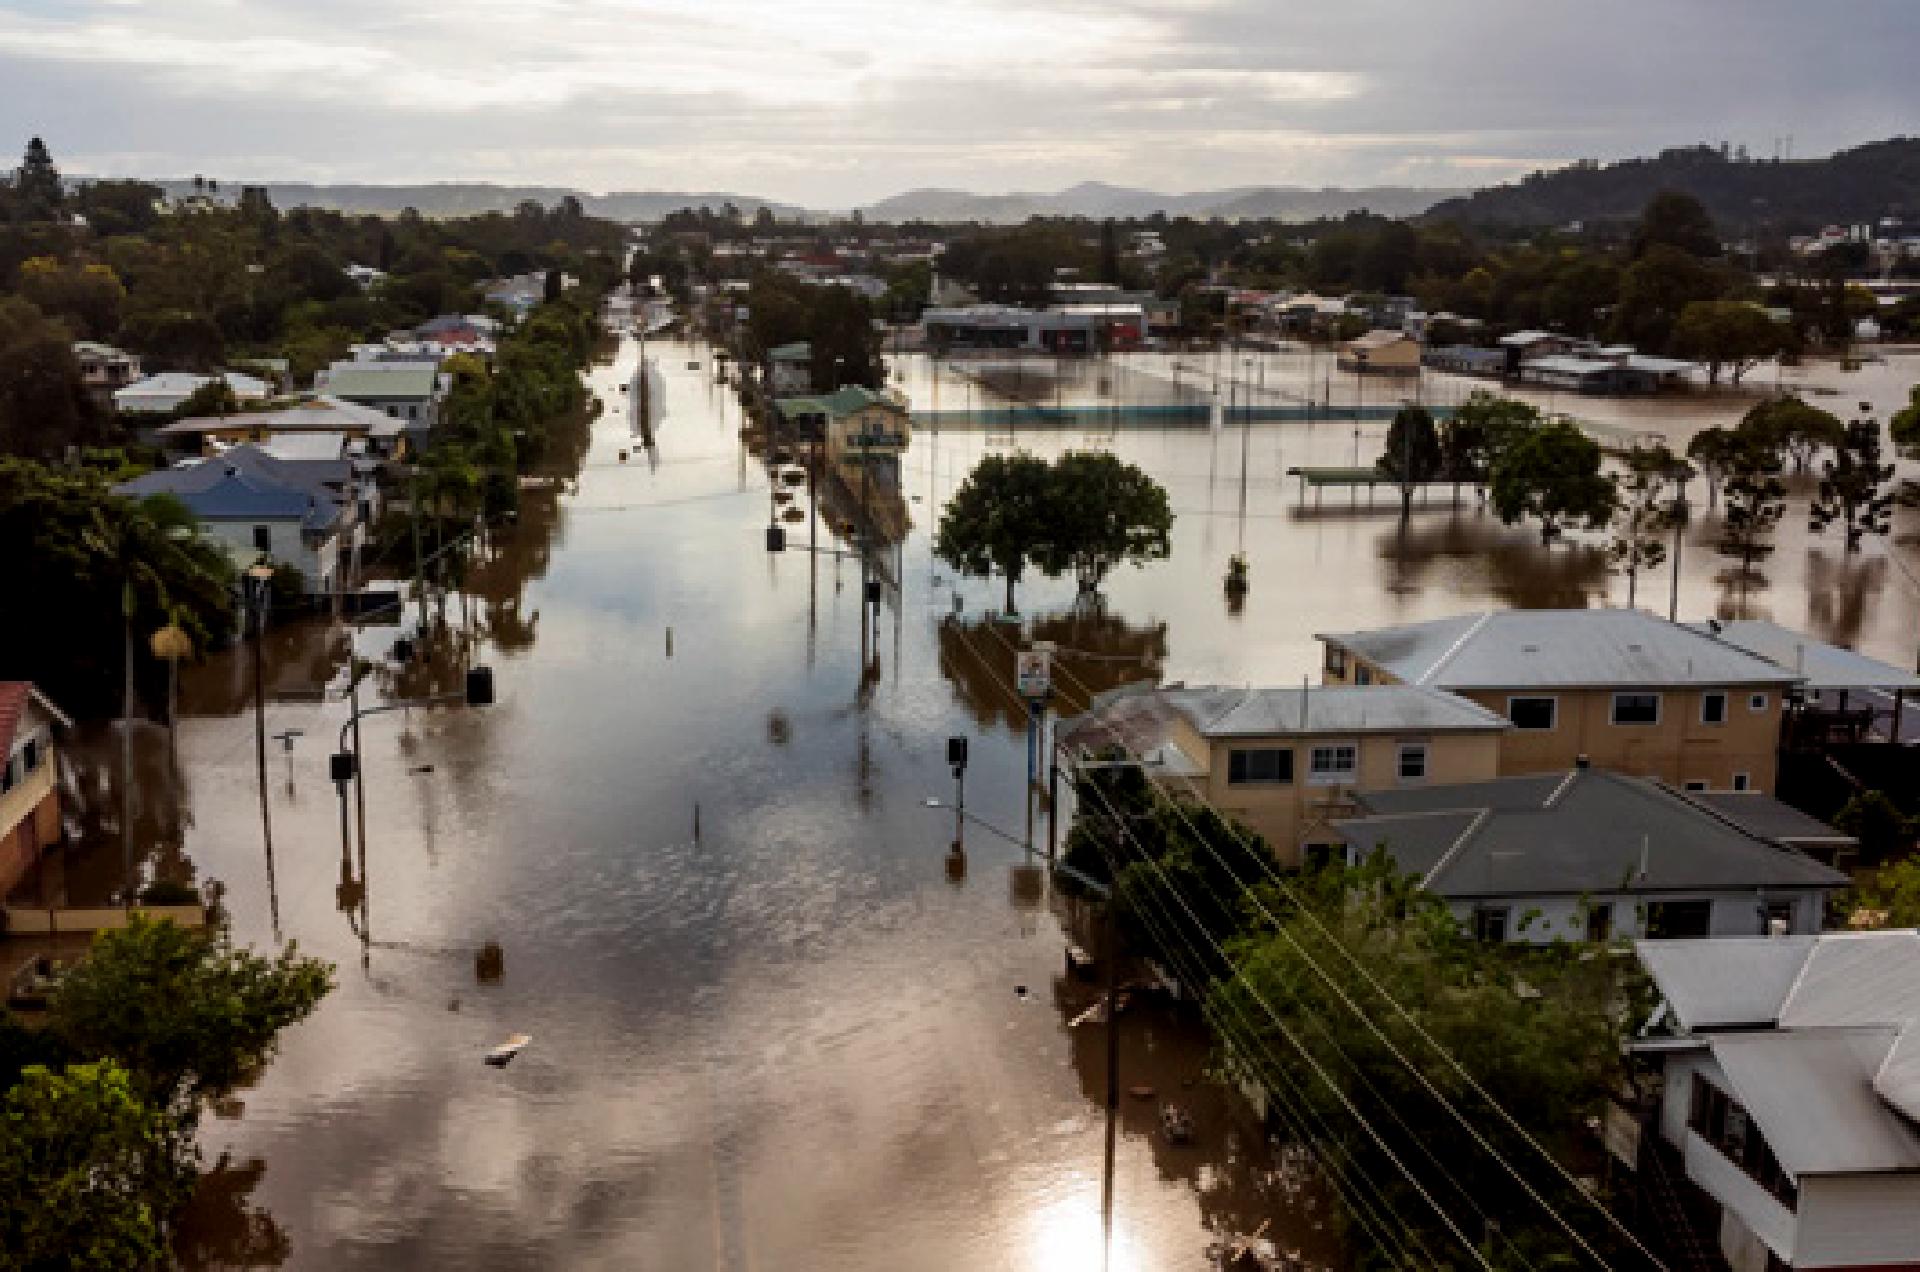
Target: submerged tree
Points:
(1756, 500)
(996, 521)
(1795, 429)
(1101, 512)
(1553, 475)
(1413, 454)
(1855, 490)
(1647, 513)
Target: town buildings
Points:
(29, 779)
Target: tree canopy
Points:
(1553, 476)
(1855, 488)
(1728, 335)
(1413, 455)
(996, 520)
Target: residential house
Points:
(1789, 1096)
(1520, 346)
(1618, 687)
(865, 432)
(158, 394)
(1289, 762)
(1381, 352)
(302, 513)
(1843, 694)
(792, 368)
(29, 779)
(1590, 855)
(105, 370)
(409, 391)
(380, 434)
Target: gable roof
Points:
(798, 351)
(354, 380)
(15, 697)
(1821, 665)
(1571, 834)
(1585, 648)
(1813, 1094)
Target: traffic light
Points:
(342, 765)
(957, 752)
(776, 538)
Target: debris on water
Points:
(696, 821)
(1019, 991)
(503, 1054)
(1094, 1015)
(490, 964)
(418, 769)
(453, 1004)
(669, 642)
(779, 728)
(1176, 1123)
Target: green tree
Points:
(1413, 454)
(1755, 504)
(37, 185)
(1655, 290)
(1552, 475)
(1647, 514)
(1481, 429)
(1715, 451)
(87, 296)
(1101, 511)
(1109, 253)
(89, 1171)
(1730, 335)
(1888, 897)
(1855, 490)
(1876, 821)
(44, 407)
(997, 520)
(1906, 424)
(188, 1014)
(1794, 429)
(1677, 220)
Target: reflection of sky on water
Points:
(791, 1041)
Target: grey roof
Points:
(1857, 978)
(1734, 980)
(1141, 716)
(1824, 666)
(1583, 832)
(356, 380)
(1812, 1093)
(1570, 364)
(245, 483)
(323, 412)
(1767, 817)
(1537, 649)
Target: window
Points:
(30, 756)
(1713, 707)
(1258, 766)
(7, 775)
(1532, 713)
(1413, 761)
(1724, 1123)
(1757, 702)
(1599, 922)
(1742, 782)
(263, 538)
(1332, 765)
(1697, 784)
(1636, 708)
(1490, 922)
(1336, 663)
(1674, 920)
(1363, 675)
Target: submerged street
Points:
(770, 1031)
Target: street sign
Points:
(1033, 672)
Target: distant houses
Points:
(374, 432)
(169, 390)
(409, 391)
(105, 370)
(865, 432)
(790, 368)
(1381, 352)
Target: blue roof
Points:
(245, 483)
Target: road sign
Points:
(1033, 671)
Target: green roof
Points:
(382, 380)
(798, 351)
(841, 402)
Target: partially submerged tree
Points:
(1102, 511)
(1756, 500)
(1648, 512)
(1730, 335)
(1481, 429)
(996, 521)
(1553, 475)
(1855, 488)
(1794, 429)
(1413, 454)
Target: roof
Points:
(353, 380)
(1659, 366)
(323, 412)
(1823, 666)
(246, 483)
(1733, 980)
(183, 383)
(1523, 338)
(1767, 817)
(15, 695)
(1538, 649)
(1582, 832)
(1380, 339)
(1812, 1092)
(1568, 364)
(1141, 717)
(846, 401)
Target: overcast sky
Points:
(837, 102)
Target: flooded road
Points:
(769, 1030)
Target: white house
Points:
(1790, 1095)
(408, 391)
(158, 394)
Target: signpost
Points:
(1033, 674)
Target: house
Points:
(302, 513)
(792, 368)
(1788, 1106)
(104, 370)
(865, 432)
(29, 779)
(158, 394)
(1381, 352)
(1520, 346)
(1613, 371)
(1591, 855)
(409, 391)
(380, 434)
(1288, 761)
(1466, 360)
(1618, 687)
(1843, 694)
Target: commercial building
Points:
(1381, 352)
(1789, 1096)
(29, 779)
(1619, 688)
(1589, 855)
(864, 432)
(1290, 762)
(1075, 328)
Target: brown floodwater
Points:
(770, 1029)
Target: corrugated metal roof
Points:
(1767, 817)
(355, 380)
(1857, 978)
(1812, 1094)
(1228, 711)
(1512, 649)
(246, 482)
(1732, 980)
(1824, 666)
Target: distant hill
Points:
(1879, 179)
(467, 198)
(1097, 199)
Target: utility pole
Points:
(419, 574)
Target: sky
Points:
(834, 103)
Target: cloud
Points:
(839, 101)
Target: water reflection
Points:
(1094, 651)
(1469, 552)
(223, 1228)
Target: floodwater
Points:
(770, 1029)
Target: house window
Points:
(1757, 702)
(1713, 707)
(1599, 922)
(1532, 713)
(1490, 923)
(1636, 708)
(1697, 784)
(1332, 765)
(1675, 920)
(263, 538)
(1260, 766)
(1724, 1123)
(1363, 675)
(1336, 663)
(30, 756)
(1413, 761)
(1742, 782)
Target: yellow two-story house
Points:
(1286, 762)
(29, 785)
(1620, 689)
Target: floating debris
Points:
(503, 1055)
(490, 964)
